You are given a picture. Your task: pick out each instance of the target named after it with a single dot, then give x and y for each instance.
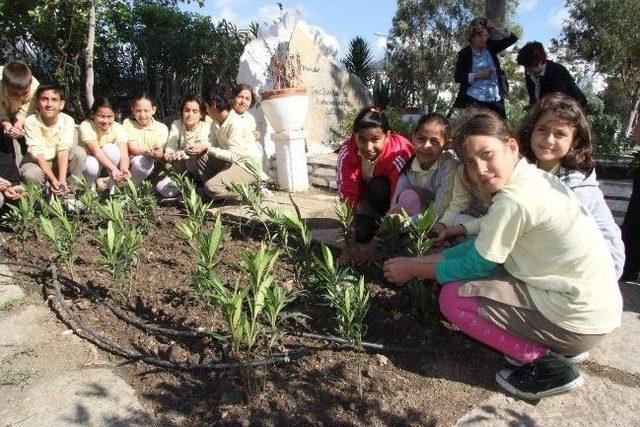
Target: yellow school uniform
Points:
(46, 141)
(248, 124)
(149, 137)
(13, 108)
(546, 238)
(90, 133)
(230, 143)
(180, 137)
(462, 198)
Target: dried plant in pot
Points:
(285, 105)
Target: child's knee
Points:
(91, 167)
(77, 155)
(141, 168)
(449, 299)
(32, 174)
(409, 200)
(215, 188)
(166, 188)
(142, 163)
(112, 151)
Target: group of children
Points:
(535, 272)
(213, 141)
(536, 277)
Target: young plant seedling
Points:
(89, 199)
(258, 268)
(141, 203)
(345, 216)
(423, 298)
(293, 224)
(21, 217)
(391, 231)
(61, 232)
(350, 300)
(208, 246)
(118, 254)
(112, 212)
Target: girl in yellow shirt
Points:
(188, 143)
(243, 99)
(105, 141)
(147, 138)
(538, 282)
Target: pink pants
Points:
(463, 313)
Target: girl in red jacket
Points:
(369, 165)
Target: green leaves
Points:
(392, 227)
(246, 307)
(21, 216)
(345, 216)
(118, 253)
(346, 294)
(209, 242)
(419, 227)
(60, 231)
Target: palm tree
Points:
(359, 60)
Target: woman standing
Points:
(478, 71)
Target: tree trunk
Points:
(633, 114)
(495, 11)
(91, 39)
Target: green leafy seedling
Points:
(118, 254)
(61, 232)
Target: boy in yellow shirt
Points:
(53, 155)
(16, 103)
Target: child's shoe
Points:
(547, 376)
(575, 360)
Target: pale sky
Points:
(371, 19)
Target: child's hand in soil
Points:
(13, 193)
(4, 184)
(399, 270)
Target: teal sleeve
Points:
(467, 267)
(460, 250)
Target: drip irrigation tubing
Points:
(115, 348)
(189, 333)
(122, 315)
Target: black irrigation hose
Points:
(186, 333)
(115, 348)
(122, 315)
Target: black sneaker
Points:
(574, 360)
(547, 376)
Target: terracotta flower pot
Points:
(285, 109)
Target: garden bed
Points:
(322, 387)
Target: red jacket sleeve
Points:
(349, 173)
(397, 153)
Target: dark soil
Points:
(431, 388)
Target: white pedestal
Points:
(291, 160)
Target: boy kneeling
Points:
(50, 136)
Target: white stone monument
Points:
(333, 92)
